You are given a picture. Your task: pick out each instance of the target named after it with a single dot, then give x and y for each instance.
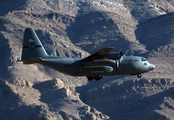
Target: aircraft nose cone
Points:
(151, 66)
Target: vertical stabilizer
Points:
(33, 50)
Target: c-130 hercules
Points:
(101, 63)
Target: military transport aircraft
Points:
(101, 63)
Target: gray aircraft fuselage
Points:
(101, 63)
(132, 65)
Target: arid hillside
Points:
(78, 28)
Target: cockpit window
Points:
(143, 59)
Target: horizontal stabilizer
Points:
(33, 60)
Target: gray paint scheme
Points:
(101, 63)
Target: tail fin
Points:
(32, 51)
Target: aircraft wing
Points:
(98, 55)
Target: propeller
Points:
(121, 54)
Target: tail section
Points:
(33, 50)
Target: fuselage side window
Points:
(143, 59)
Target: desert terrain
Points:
(78, 28)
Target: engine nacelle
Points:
(114, 56)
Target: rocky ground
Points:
(77, 28)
